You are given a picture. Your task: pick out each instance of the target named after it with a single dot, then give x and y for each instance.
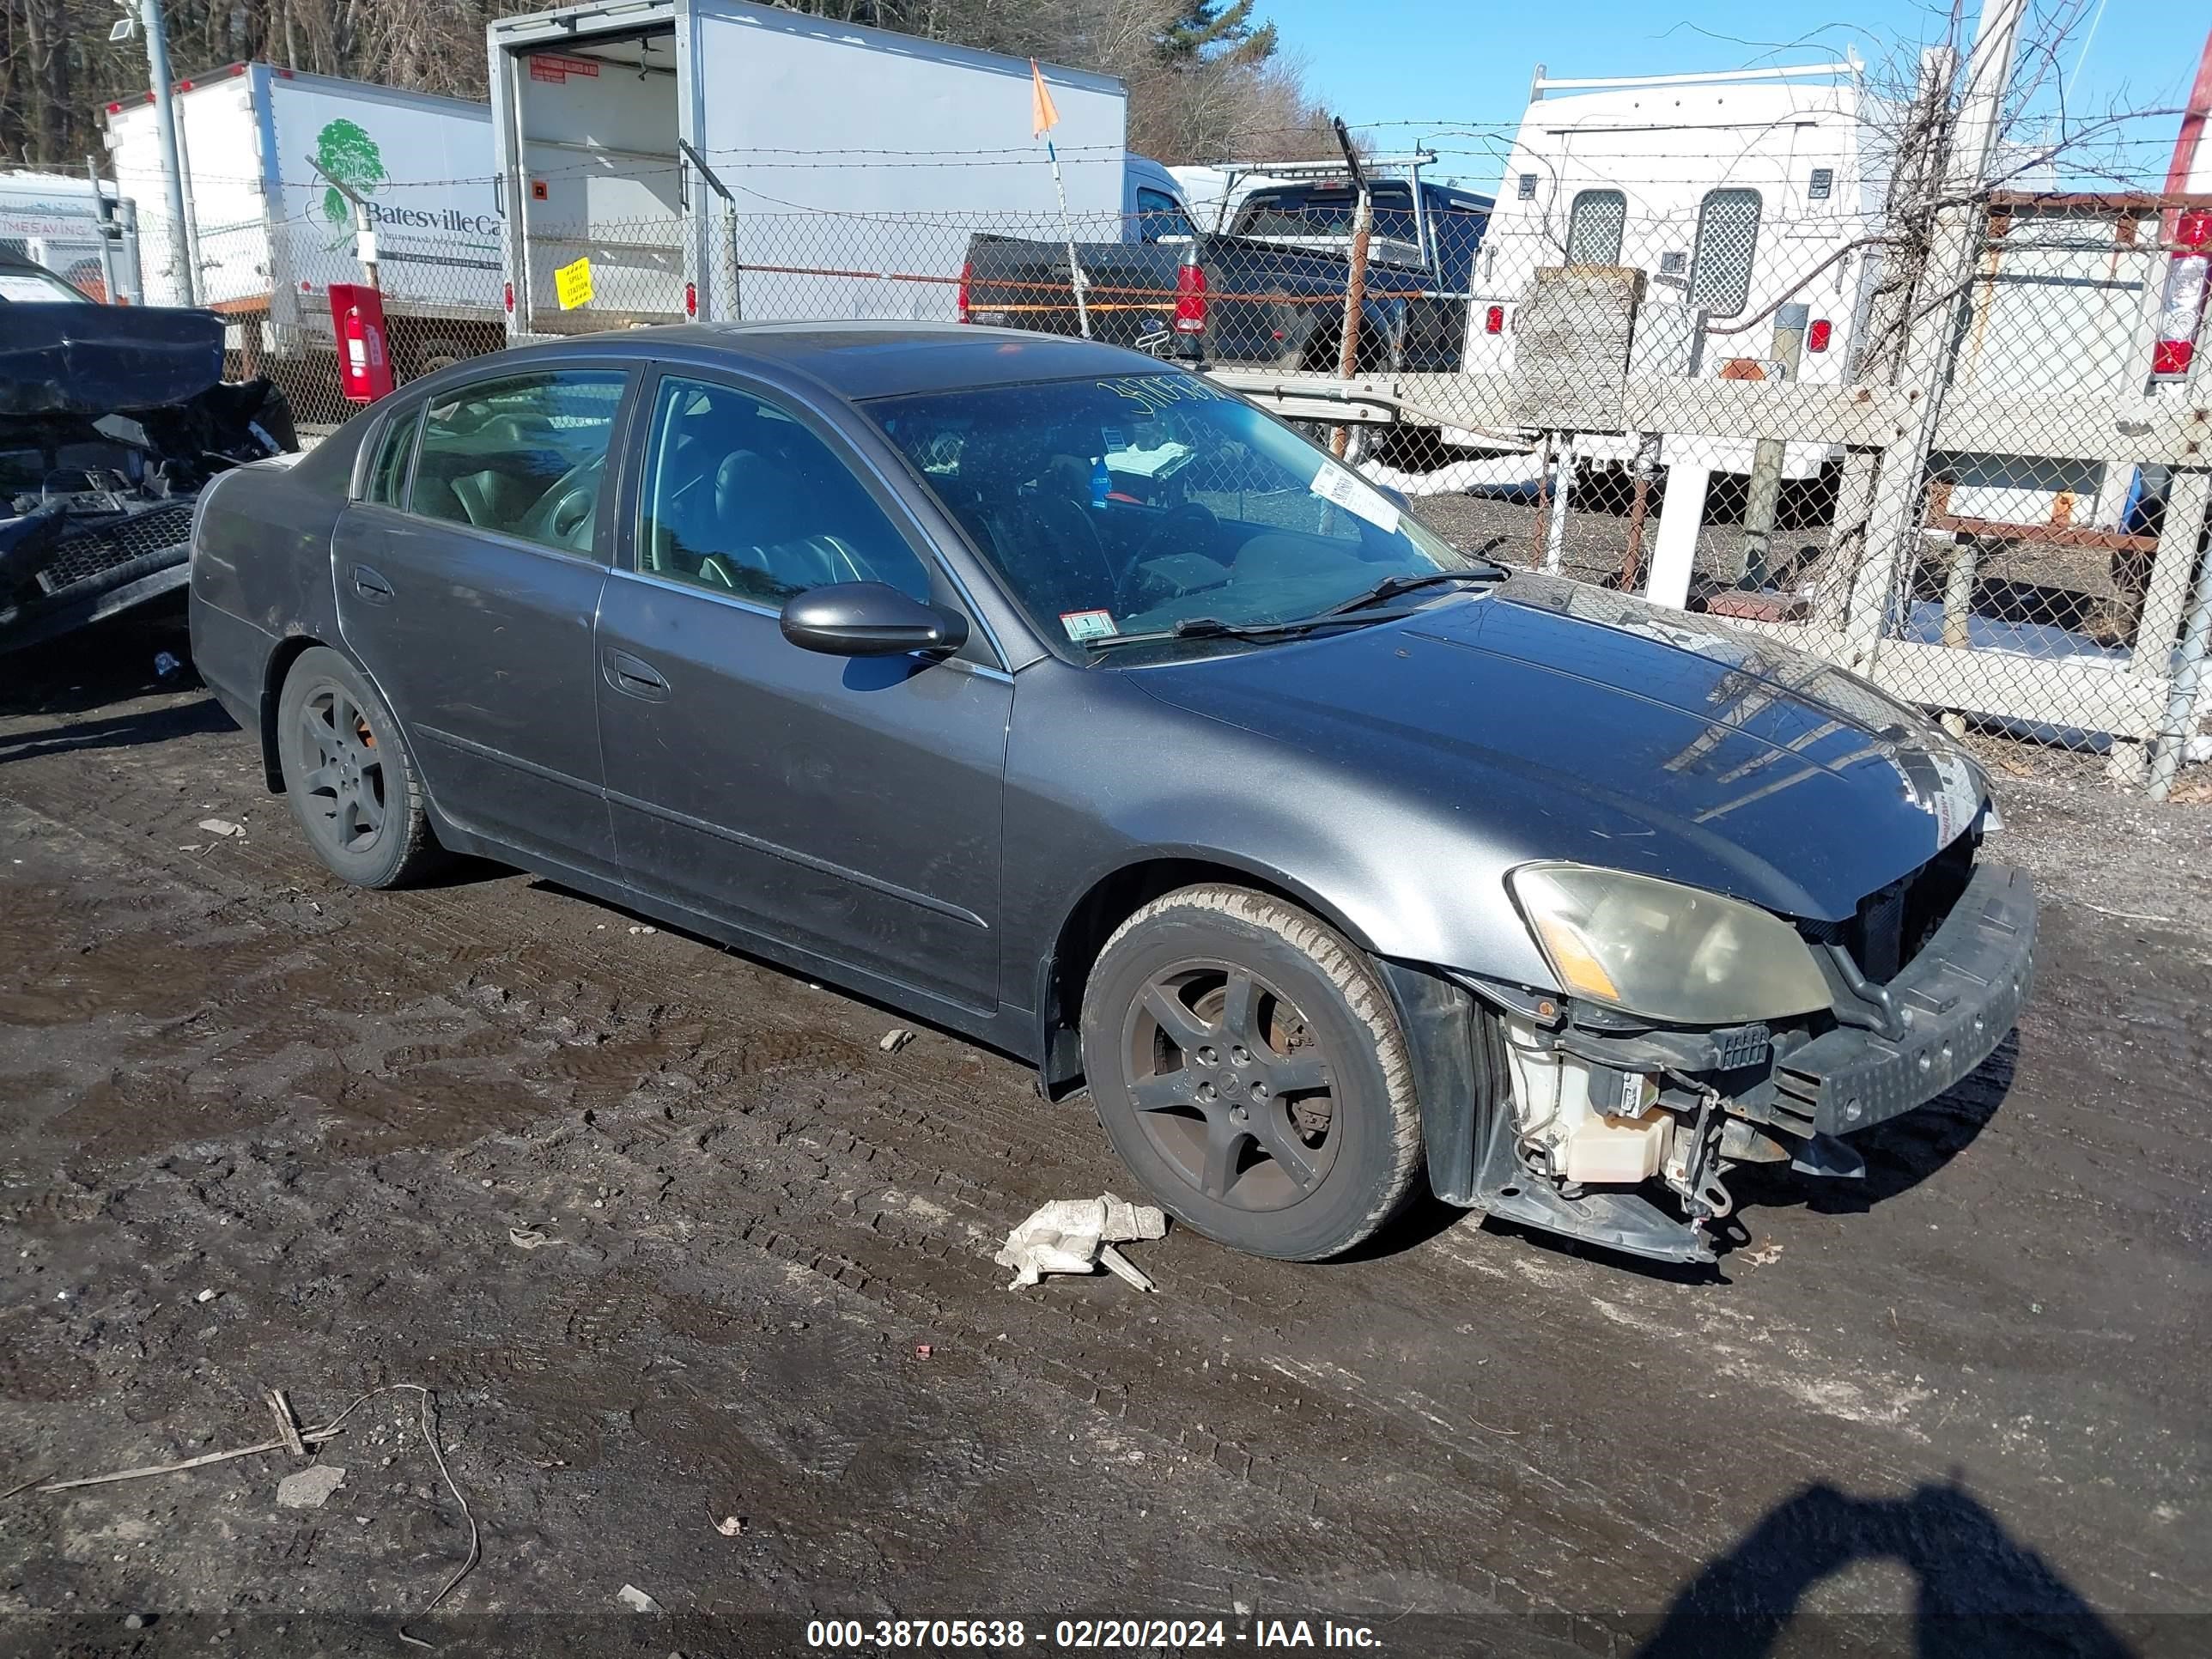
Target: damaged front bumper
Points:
(1703, 1100)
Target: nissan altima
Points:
(1065, 700)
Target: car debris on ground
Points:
(636, 1600)
(1077, 1236)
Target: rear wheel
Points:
(1248, 1067)
(347, 777)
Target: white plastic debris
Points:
(636, 1600)
(1077, 1236)
(895, 1039)
(222, 827)
(310, 1489)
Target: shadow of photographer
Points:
(1979, 1595)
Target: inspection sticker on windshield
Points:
(1082, 625)
(1354, 494)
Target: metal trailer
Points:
(725, 159)
(76, 227)
(269, 233)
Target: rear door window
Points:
(1595, 225)
(522, 455)
(1728, 241)
(395, 447)
(1160, 215)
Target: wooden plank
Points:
(2130, 430)
(2087, 694)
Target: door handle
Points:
(634, 676)
(371, 585)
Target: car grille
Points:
(89, 552)
(1893, 923)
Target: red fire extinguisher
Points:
(364, 361)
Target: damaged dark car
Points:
(1065, 700)
(113, 418)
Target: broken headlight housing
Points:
(1671, 954)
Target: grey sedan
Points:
(1064, 700)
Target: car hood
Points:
(96, 360)
(1549, 718)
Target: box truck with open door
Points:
(675, 158)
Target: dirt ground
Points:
(259, 1129)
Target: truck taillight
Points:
(2180, 309)
(691, 299)
(507, 298)
(1818, 337)
(960, 294)
(1190, 298)
(1493, 320)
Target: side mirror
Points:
(869, 619)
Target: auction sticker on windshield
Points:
(1082, 625)
(1355, 495)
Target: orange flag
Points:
(1043, 117)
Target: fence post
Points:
(2183, 534)
(1355, 286)
(1763, 498)
(1894, 514)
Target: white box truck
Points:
(727, 161)
(78, 229)
(269, 234)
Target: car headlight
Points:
(1663, 950)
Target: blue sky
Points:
(1456, 60)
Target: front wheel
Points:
(1247, 1066)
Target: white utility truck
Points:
(75, 228)
(711, 158)
(265, 150)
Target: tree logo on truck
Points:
(345, 152)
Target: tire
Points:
(1327, 1147)
(349, 778)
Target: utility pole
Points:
(173, 171)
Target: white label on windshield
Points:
(1355, 495)
(1083, 625)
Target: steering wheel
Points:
(1185, 520)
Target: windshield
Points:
(1128, 504)
(32, 285)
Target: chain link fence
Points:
(1756, 399)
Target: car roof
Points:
(862, 359)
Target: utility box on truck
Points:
(717, 159)
(264, 149)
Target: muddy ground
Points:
(259, 1129)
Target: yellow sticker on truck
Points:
(572, 285)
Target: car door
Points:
(468, 577)
(846, 807)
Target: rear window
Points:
(1284, 213)
(1595, 226)
(1728, 241)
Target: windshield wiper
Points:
(1391, 587)
(1219, 627)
